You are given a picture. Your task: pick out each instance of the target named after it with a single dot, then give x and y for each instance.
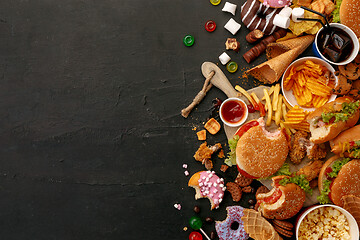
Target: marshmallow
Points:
(286, 12)
(224, 58)
(229, 7)
(232, 26)
(297, 13)
(281, 21)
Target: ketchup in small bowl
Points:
(233, 112)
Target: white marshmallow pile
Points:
(232, 26)
(286, 12)
(282, 19)
(297, 13)
(229, 7)
(224, 58)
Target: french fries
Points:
(269, 107)
(247, 95)
(275, 108)
(278, 110)
(271, 90)
(261, 106)
(276, 96)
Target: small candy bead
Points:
(189, 40)
(232, 67)
(210, 26)
(215, 2)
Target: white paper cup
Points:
(353, 37)
(354, 229)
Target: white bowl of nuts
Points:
(326, 222)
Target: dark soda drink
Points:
(335, 44)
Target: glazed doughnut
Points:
(208, 185)
(232, 227)
(276, 3)
(255, 15)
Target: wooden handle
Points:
(219, 80)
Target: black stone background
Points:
(92, 143)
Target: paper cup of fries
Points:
(308, 83)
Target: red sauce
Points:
(273, 197)
(233, 111)
(251, 108)
(244, 128)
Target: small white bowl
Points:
(354, 229)
(353, 37)
(289, 96)
(243, 119)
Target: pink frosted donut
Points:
(276, 3)
(232, 227)
(208, 184)
(256, 15)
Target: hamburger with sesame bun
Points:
(259, 153)
(285, 199)
(349, 15)
(338, 177)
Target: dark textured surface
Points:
(92, 142)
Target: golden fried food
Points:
(316, 151)
(201, 135)
(311, 170)
(298, 147)
(203, 153)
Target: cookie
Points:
(262, 189)
(357, 60)
(285, 233)
(354, 93)
(235, 191)
(343, 86)
(248, 189)
(283, 224)
(243, 181)
(350, 71)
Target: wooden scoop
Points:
(219, 79)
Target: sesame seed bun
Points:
(288, 205)
(346, 183)
(261, 153)
(349, 15)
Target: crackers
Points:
(235, 191)
(243, 181)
